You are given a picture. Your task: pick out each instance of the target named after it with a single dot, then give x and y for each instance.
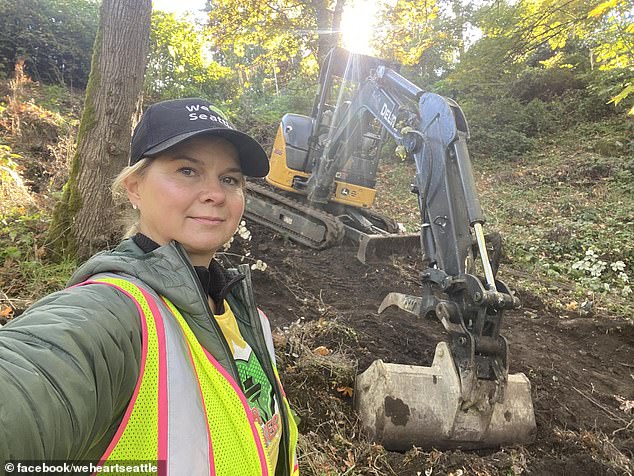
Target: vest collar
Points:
(214, 279)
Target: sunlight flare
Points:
(357, 25)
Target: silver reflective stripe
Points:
(187, 435)
(268, 335)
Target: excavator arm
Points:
(477, 404)
(374, 99)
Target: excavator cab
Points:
(301, 140)
(326, 165)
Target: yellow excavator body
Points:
(281, 176)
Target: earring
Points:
(134, 207)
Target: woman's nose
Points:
(212, 191)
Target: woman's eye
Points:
(187, 171)
(230, 180)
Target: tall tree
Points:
(328, 15)
(53, 37)
(83, 219)
(265, 33)
(407, 31)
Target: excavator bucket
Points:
(453, 403)
(376, 248)
(401, 406)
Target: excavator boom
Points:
(466, 398)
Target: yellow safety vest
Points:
(186, 413)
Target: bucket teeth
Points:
(411, 304)
(419, 306)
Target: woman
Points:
(155, 352)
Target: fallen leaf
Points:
(626, 405)
(349, 462)
(345, 391)
(322, 350)
(5, 311)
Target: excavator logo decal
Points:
(387, 115)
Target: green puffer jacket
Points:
(69, 364)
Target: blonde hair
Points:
(120, 196)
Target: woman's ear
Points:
(131, 184)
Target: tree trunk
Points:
(328, 25)
(461, 13)
(336, 21)
(323, 16)
(85, 220)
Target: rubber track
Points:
(334, 228)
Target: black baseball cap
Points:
(168, 123)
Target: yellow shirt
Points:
(256, 386)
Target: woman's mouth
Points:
(207, 220)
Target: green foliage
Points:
(19, 230)
(516, 86)
(500, 144)
(13, 192)
(573, 30)
(260, 114)
(546, 84)
(24, 271)
(566, 214)
(180, 63)
(611, 88)
(614, 45)
(407, 31)
(595, 273)
(55, 98)
(614, 34)
(260, 39)
(55, 37)
(539, 24)
(7, 163)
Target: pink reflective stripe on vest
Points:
(163, 407)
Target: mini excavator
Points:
(320, 189)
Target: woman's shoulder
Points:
(123, 258)
(91, 307)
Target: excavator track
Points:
(306, 225)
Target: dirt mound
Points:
(323, 306)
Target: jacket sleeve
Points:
(68, 368)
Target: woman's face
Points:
(192, 193)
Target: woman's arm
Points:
(68, 368)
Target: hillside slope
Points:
(567, 214)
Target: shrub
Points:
(502, 129)
(545, 84)
(260, 114)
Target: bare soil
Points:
(323, 307)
